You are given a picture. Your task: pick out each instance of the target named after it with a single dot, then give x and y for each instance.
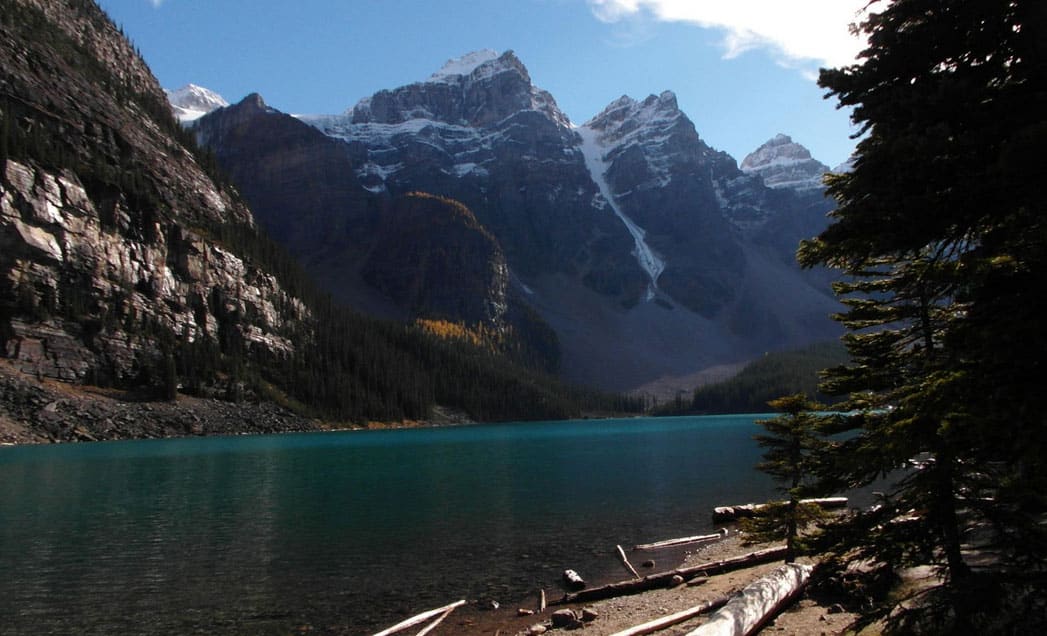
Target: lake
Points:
(347, 532)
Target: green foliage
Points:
(939, 234)
(762, 380)
(793, 446)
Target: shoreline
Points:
(806, 616)
(47, 411)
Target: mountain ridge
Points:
(632, 206)
(129, 262)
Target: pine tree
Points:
(939, 234)
(793, 445)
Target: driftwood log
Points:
(664, 579)
(421, 618)
(758, 603)
(731, 513)
(439, 619)
(625, 561)
(668, 543)
(659, 624)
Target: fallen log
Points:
(732, 513)
(664, 579)
(625, 561)
(668, 543)
(673, 619)
(420, 618)
(431, 626)
(759, 602)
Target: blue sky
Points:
(742, 70)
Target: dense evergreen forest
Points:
(762, 380)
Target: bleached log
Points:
(668, 543)
(431, 626)
(731, 513)
(420, 618)
(625, 561)
(664, 579)
(758, 603)
(659, 624)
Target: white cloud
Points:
(797, 32)
(156, 3)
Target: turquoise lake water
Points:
(346, 532)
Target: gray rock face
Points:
(663, 177)
(783, 163)
(478, 90)
(104, 242)
(62, 264)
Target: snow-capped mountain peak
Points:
(191, 102)
(783, 163)
(656, 109)
(463, 65)
(477, 90)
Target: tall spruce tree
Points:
(939, 235)
(792, 444)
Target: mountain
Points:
(103, 211)
(648, 252)
(479, 132)
(191, 102)
(783, 163)
(129, 262)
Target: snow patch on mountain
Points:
(191, 102)
(783, 163)
(463, 65)
(595, 161)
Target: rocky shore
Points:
(813, 614)
(44, 411)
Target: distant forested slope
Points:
(774, 375)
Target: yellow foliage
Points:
(479, 335)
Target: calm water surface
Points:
(345, 531)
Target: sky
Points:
(742, 70)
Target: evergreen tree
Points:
(793, 446)
(939, 233)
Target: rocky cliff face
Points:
(662, 176)
(107, 251)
